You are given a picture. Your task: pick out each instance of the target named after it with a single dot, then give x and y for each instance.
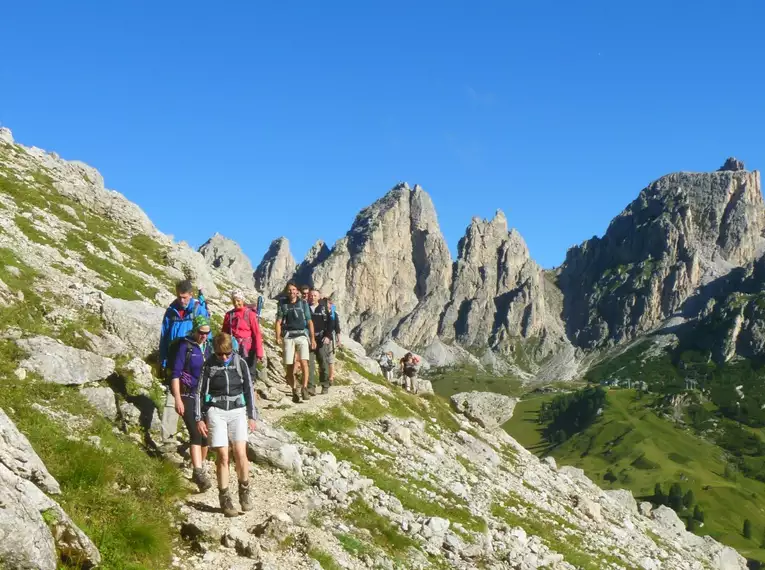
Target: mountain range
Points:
(663, 262)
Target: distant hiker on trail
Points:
(294, 330)
(176, 324)
(387, 363)
(241, 322)
(190, 358)
(226, 398)
(322, 330)
(335, 326)
(409, 371)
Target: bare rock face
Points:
(61, 364)
(391, 272)
(498, 295)
(276, 268)
(682, 231)
(318, 253)
(224, 255)
(488, 409)
(732, 164)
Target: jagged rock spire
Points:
(276, 268)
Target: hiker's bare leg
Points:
(203, 452)
(242, 464)
(291, 375)
(196, 455)
(304, 367)
(221, 466)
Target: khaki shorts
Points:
(297, 344)
(226, 425)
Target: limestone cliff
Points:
(225, 256)
(276, 268)
(682, 231)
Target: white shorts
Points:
(226, 425)
(297, 344)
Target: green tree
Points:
(675, 498)
(698, 514)
(688, 499)
(691, 524)
(747, 528)
(730, 472)
(659, 498)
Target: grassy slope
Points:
(641, 449)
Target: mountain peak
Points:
(226, 256)
(732, 164)
(276, 268)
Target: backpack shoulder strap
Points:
(187, 357)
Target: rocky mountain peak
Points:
(682, 230)
(225, 255)
(732, 164)
(276, 268)
(6, 135)
(316, 255)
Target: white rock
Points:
(55, 362)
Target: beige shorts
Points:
(224, 426)
(296, 344)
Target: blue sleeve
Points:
(164, 339)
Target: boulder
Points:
(136, 322)
(25, 541)
(488, 409)
(623, 498)
(17, 455)
(61, 364)
(139, 373)
(273, 447)
(102, 399)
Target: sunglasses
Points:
(223, 354)
(203, 333)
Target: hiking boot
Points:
(296, 396)
(311, 391)
(324, 390)
(245, 501)
(306, 394)
(201, 479)
(226, 504)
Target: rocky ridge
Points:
(225, 255)
(276, 268)
(682, 232)
(85, 274)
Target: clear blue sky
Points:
(260, 119)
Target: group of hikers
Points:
(407, 367)
(210, 380)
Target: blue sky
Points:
(260, 119)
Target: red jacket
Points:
(245, 330)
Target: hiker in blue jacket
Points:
(176, 324)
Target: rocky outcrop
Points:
(318, 253)
(18, 456)
(224, 255)
(35, 530)
(499, 296)
(682, 231)
(488, 409)
(55, 362)
(136, 322)
(391, 272)
(276, 268)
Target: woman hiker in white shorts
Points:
(225, 396)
